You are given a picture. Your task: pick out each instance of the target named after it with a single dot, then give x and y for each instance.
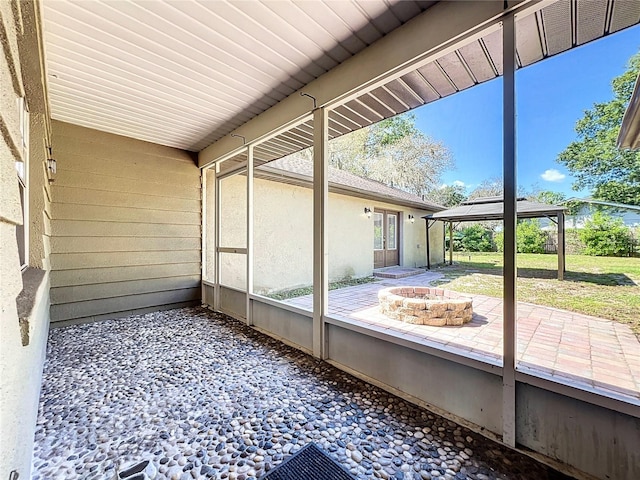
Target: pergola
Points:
(492, 208)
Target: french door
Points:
(386, 238)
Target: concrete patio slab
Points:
(397, 272)
(584, 351)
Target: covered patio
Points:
(121, 121)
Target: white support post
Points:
(561, 246)
(216, 241)
(203, 232)
(510, 219)
(320, 239)
(249, 255)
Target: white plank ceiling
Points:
(186, 73)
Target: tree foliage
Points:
(593, 159)
(475, 238)
(447, 195)
(394, 152)
(530, 238)
(605, 235)
(493, 187)
(551, 198)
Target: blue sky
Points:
(551, 96)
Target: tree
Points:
(551, 198)
(594, 159)
(493, 187)
(394, 152)
(447, 195)
(476, 238)
(530, 238)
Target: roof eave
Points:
(629, 136)
(493, 217)
(593, 201)
(301, 180)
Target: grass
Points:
(300, 292)
(604, 287)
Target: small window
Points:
(22, 231)
(393, 222)
(378, 238)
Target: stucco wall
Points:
(630, 218)
(23, 323)
(208, 223)
(283, 245)
(125, 226)
(39, 194)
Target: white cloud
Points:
(456, 183)
(553, 175)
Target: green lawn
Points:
(605, 287)
(299, 292)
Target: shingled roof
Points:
(492, 208)
(299, 171)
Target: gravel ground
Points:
(203, 396)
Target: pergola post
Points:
(450, 243)
(320, 238)
(510, 219)
(249, 255)
(428, 252)
(444, 243)
(561, 246)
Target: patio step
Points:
(397, 272)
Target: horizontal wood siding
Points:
(125, 226)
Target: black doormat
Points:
(309, 463)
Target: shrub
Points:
(634, 242)
(605, 236)
(529, 237)
(573, 244)
(476, 238)
(498, 239)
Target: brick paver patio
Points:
(586, 351)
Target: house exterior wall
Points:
(630, 218)
(24, 297)
(283, 235)
(125, 226)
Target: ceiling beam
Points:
(435, 32)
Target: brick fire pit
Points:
(425, 306)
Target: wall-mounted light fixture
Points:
(367, 212)
(411, 218)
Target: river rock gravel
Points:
(201, 395)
